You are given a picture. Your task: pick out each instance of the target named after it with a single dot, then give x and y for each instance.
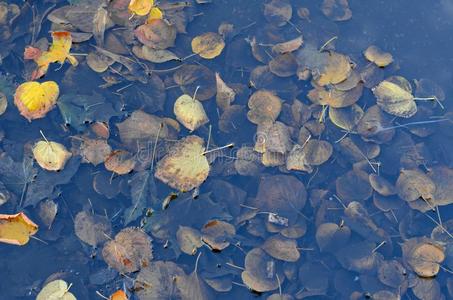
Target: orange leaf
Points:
(58, 52)
(16, 229)
(140, 7)
(119, 295)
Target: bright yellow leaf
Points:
(154, 14)
(208, 45)
(140, 7)
(58, 52)
(51, 156)
(34, 99)
(16, 229)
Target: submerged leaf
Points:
(376, 55)
(92, 229)
(394, 96)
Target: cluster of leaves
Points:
(321, 189)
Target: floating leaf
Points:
(51, 156)
(185, 167)
(140, 7)
(92, 229)
(58, 52)
(377, 56)
(34, 100)
(281, 248)
(129, 251)
(208, 45)
(394, 96)
(16, 229)
(334, 70)
(190, 112)
(56, 290)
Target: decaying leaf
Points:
(278, 12)
(264, 107)
(313, 153)
(382, 185)
(288, 46)
(347, 117)
(217, 234)
(377, 56)
(129, 251)
(157, 34)
(394, 96)
(330, 236)
(189, 239)
(34, 100)
(423, 256)
(92, 229)
(185, 167)
(58, 52)
(337, 10)
(47, 211)
(56, 290)
(261, 273)
(284, 65)
(95, 151)
(282, 248)
(208, 45)
(413, 184)
(120, 161)
(154, 55)
(16, 229)
(51, 156)
(334, 70)
(353, 186)
(225, 95)
(190, 112)
(198, 78)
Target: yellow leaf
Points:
(58, 52)
(185, 167)
(56, 290)
(51, 156)
(16, 229)
(208, 45)
(154, 14)
(34, 99)
(140, 7)
(118, 295)
(190, 112)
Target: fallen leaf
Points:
(185, 167)
(92, 229)
(190, 112)
(56, 290)
(157, 34)
(130, 251)
(225, 95)
(118, 295)
(34, 100)
(51, 156)
(377, 56)
(120, 161)
(264, 107)
(140, 7)
(208, 45)
(394, 96)
(336, 10)
(58, 52)
(16, 229)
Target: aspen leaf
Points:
(119, 295)
(190, 112)
(56, 290)
(140, 7)
(208, 45)
(51, 156)
(16, 229)
(34, 99)
(58, 52)
(394, 96)
(377, 56)
(185, 167)
(154, 14)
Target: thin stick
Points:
(279, 285)
(219, 148)
(38, 239)
(294, 26)
(378, 246)
(327, 43)
(234, 266)
(44, 137)
(339, 200)
(195, 93)
(102, 296)
(209, 137)
(124, 87)
(441, 226)
(155, 147)
(196, 262)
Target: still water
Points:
(320, 188)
